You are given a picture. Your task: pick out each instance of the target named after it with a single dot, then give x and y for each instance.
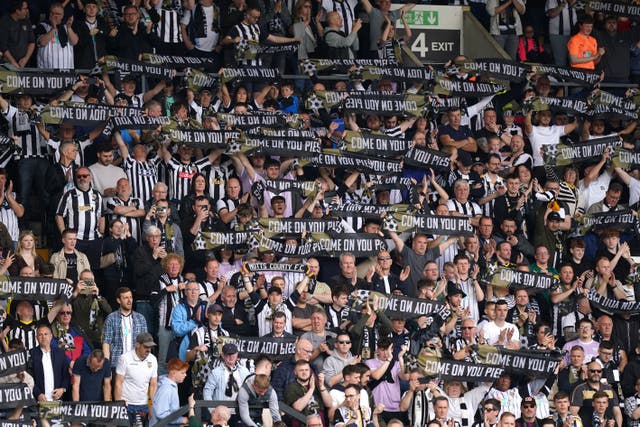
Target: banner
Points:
(404, 74)
(326, 99)
(497, 68)
(249, 73)
(10, 423)
(287, 146)
(251, 347)
(289, 227)
(135, 122)
(84, 114)
(255, 118)
(631, 10)
(114, 413)
(176, 61)
(127, 66)
(35, 288)
(332, 158)
(274, 266)
(305, 188)
(622, 219)
(250, 50)
(430, 224)
(607, 104)
(323, 244)
(365, 211)
(203, 138)
(197, 80)
(397, 306)
(533, 363)
(426, 158)
(576, 75)
(314, 66)
(626, 159)
(384, 104)
(214, 239)
(543, 103)
(466, 88)
(14, 395)
(508, 278)
(455, 370)
(562, 154)
(613, 305)
(36, 82)
(13, 362)
(374, 143)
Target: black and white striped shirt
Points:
(20, 125)
(134, 223)
(82, 211)
(181, 174)
(217, 176)
(346, 10)
(168, 28)
(26, 333)
(143, 176)
(248, 33)
(55, 145)
(9, 218)
(53, 55)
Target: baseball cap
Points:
(214, 308)
(229, 349)
(554, 216)
(146, 339)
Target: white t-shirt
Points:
(541, 135)
(491, 332)
(595, 191)
(137, 374)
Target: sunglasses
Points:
(82, 176)
(528, 406)
(65, 312)
(467, 327)
(344, 342)
(595, 371)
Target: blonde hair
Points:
(22, 235)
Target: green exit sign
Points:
(422, 17)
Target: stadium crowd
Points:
(125, 217)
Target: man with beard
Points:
(80, 208)
(308, 393)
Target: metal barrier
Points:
(183, 410)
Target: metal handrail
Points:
(180, 412)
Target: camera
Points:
(89, 285)
(161, 209)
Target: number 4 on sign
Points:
(419, 45)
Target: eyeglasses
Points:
(467, 327)
(595, 371)
(65, 312)
(344, 342)
(528, 406)
(83, 176)
(490, 409)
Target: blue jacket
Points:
(182, 324)
(216, 385)
(165, 401)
